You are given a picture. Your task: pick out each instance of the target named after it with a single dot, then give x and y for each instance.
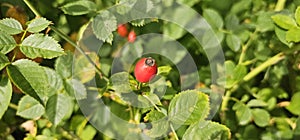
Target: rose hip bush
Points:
(67, 75)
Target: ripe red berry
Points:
(145, 69)
(122, 30)
(131, 36)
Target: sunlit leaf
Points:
(213, 18)
(80, 7)
(188, 107)
(29, 77)
(293, 35)
(5, 94)
(120, 82)
(7, 43)
(103, 25)
(30, 108)
(207, 130)
(10, 26)
(261, 117)
(294, 106)
(284, 21)
(3, 61)
(64, 65)
(57, 107)
(37, 25)
(243, 113)
(39, 45)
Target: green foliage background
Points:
(260, 40)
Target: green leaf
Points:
(55, 83)
(88, 133)
(239, 72)
(38, 45)
(261, 117)
(173, 30)
(154, 115)
(164, 70)
(281, 35)
(5, 94)
(243, 113)
(80, 7)
(233, 42)
(297, 129)
(294, 106)
(7, 43)
(189, 2)
(83, 69)
(234, 73)
(10, 26)
(284, 21)
(57, 107)
(232, 22)
(240, 6)
(29, 77)
(297, 15)
(120, 82)
(264, 22)
(30, 108)
(37, 25)
(207, 130)
(75, 89)
(103, 26)
(256, 103)
(293, 35)
(64, 65)
(159, 128)
(188, 107)
(158, 85)
(76, 122)
(144, 100)
(213, 18)
(3, 61)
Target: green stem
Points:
(226, 100)
(31, 7)
(280, 5)
(23, 36)
(273, 60)
(137, 116)
(155, 106)
(174, 132)
(246, 46)
(13, 106)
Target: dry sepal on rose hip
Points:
(145, 69)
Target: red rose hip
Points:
(131, 36)
(122, 30)
(145, 69)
